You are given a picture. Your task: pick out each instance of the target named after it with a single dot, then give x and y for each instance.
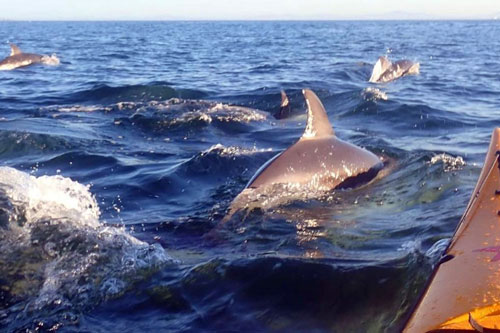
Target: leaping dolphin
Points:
(385, 71)
(317, 163)
(19, 59)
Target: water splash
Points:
(56, 257)
(450, 163)
(51, 60)
(373, 94)
(222, 150)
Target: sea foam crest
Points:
(372, 93)
(175, 110)
(184, 111)
(222, 150)
(52, 197)
(450, 163)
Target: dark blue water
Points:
(119, 164)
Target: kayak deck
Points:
(464, 291)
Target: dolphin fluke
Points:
(14, 49)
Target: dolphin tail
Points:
(14, 49)
(380, 67)
(285, 108)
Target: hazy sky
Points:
(245, 10)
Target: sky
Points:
(246, 9)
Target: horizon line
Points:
(249, 20)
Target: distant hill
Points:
(402, 15)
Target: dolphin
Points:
(317, 163)
(385, 71)
(285, 108)
(19, 59)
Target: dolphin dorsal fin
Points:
(380, 67)
(284, 110)
(14, 49)
(318, 124)
(284, 99)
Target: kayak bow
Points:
(464, 291)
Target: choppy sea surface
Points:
(118, 165)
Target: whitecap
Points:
(450, 163)
(222, 150)
(372, 93)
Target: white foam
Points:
(51, 60)
(53, 197)
(234, 151)
(224, 112)
(77, 108)
(55, 221)
(450, 163)
(437, 249)
(372, 93)
(180, 110)
(411, 246)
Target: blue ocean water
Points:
(118, 165)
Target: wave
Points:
(267, 68)
(414, 117)
(450, 163)
(352, 74)
(221, 161)
(268, 98)
(56, 257)
(372, 93)
(273, 292)
(188, 114)
(18, 144)
(103, 93)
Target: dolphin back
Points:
(407, 67)
(318, 165)
(319, 160)
(385, 71)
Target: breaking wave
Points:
(373, 94)
(133, 93)
(56, 257)
(450, 163)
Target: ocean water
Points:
(118, 165)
